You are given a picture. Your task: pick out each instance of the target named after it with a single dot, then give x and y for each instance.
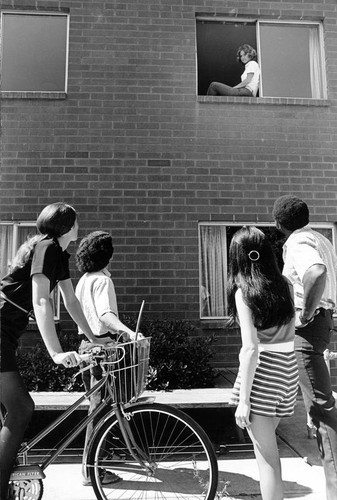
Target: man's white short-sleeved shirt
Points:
(97, 296)
(303, 249)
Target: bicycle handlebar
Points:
(85, 357)
(98, 355)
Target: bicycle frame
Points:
(26, 447)
(125, 439)
(140, 456)
(115, 408)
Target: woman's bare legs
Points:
(19, 406)
(262, 434)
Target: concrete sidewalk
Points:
(302, 481)
(302, 473)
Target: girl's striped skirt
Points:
(274, 386)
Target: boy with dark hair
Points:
(96, 293)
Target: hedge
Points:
(179, 359)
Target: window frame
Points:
(55, 294)
(37, 93)
(314, 225)
(259, 22)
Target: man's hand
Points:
(300, 320)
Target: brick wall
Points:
(138, 154)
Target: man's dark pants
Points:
(310, 344)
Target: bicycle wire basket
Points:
(128, 365)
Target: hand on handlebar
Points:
(128, 337)
(68, 359)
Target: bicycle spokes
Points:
(180, 461)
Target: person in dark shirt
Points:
(40, 264)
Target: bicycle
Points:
(158, 451)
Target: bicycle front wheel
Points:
(178, 460)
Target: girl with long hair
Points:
(261, 300)
(40, 264)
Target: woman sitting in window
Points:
(249, 79)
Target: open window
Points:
(214, 241)
(290, 55)
(12, 235)
(34, 51)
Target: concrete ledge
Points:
(182, 398)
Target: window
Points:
(214, 241)
(34, 51)
(290, 55)
(12, 235)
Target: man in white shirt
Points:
(310, 263)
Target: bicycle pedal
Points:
(21, 472)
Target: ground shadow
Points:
(240, 485)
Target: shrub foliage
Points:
(179, 359)
(40, 373)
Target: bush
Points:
(179, 359)
(40, 373)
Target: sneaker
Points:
(108, 478)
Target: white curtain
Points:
(25, 232)
(7, 241)
(6, 248)
(315, 65)
(213, 271)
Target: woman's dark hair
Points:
(94, 252)
(56, 219)
(25, 251)
(253, 269)
(248, 50)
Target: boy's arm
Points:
(115, 325)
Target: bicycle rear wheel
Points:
(180, 464)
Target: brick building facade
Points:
(133, 142)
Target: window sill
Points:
(32, 325)
(33, 95)
(284, 101)
(209, 324)
(213, 322)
